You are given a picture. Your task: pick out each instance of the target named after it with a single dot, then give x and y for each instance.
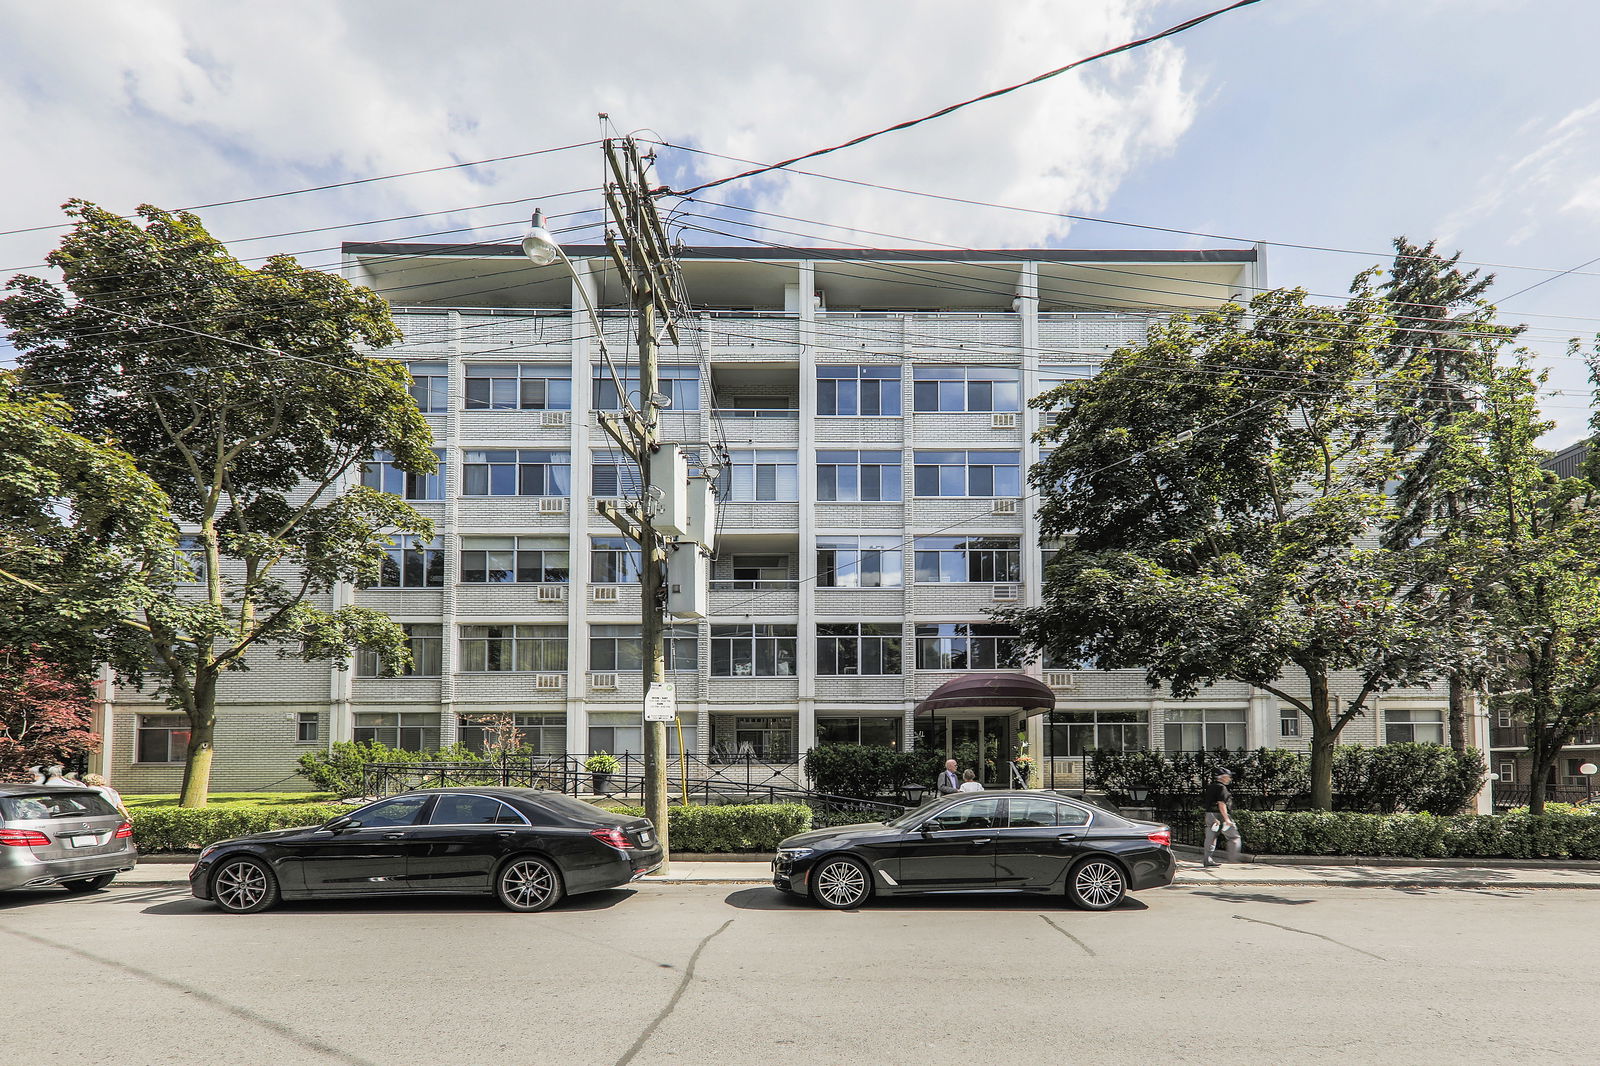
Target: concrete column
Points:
(580, 424)
(449, 726)
(806, 640)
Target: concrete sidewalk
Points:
(162, 871)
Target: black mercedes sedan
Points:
(1021, 841)
(528, 847)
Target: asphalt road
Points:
(730, 975)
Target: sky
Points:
(1337, 124)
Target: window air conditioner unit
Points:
(1006, 593)
(1005, 420)
(552, 593)
(604, 594)
(1005, 507)
(554, 419)
(606, 682)
(552, 505)
(547, 682)
(1062, 680)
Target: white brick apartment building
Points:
(872, 406)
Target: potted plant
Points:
(601, 766)
(1024, 765)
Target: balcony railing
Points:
(790, 413)
(727, 586)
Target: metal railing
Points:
(1509, 796)
(789, 413)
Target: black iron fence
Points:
(1509, 796)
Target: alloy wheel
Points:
(1098, 884)
(240, 886)
(841, 884)
(528, 884)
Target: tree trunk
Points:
(1458, 713)
(202, 730)
(1323, 740)
(1542, 757)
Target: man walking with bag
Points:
(1219, 820)
(949, 780)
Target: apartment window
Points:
(380, 473)
(513, 649)
(1289, 724)
(614, 561)
(967, 646)
(430, 386)
(1076, 733)
(621, 648)
(1054, 375)
(681, 384)
(521, 472)
(542, 734)
(510, 387)
(759, 572)
(615, 476)
(966, 388)
(752, 651)
(189, 559)
(1204, 729)
(953, 560)
(405, 732)
(427, 654)
(857, 649)
(764, 474)
(514, 560)
(873, 732)
(1413, 727)
(162, 738)
(306, 727)
(858, 477)
(1508, 773)
(410, 562)
(858, 390)
(859, 562)
(1502, 718)
(1574, 774)
(968, 473)
(767, 738)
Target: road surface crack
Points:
(1051, 922)
(677, 994)
(1319, 936)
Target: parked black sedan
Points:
(1021, 841)
(528, 847)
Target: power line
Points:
(943, 111)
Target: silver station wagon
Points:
(58, 835)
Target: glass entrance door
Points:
(981, 743)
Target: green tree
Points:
(80, 526)
(1218, 493)
(248, 397)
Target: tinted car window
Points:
(974, 814)
(54, 805)
(472, 810)
(559, 809)
(1029, 813)
(387, 813)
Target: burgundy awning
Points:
(1015, 692)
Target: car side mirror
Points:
(340, 823)
(928, 827)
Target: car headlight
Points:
(791, 854)
(207, 852)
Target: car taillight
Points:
(1162, 837)
(615, 837)
(125, 830)
(23, 838)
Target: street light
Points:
(538, 245)
(1588, 770)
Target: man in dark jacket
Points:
(949, 781)
(1219, 820)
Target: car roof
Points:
(34, 790)
(503, 791)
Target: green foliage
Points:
(867, 772)
(1384, 780)
(1421, 836)
(191, 828)
(601, 763)
(731, 827)
(340, 770)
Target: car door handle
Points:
(394, 836)
(1067, 838)
(982, 840)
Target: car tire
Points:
(840, 884)
(88, 884)
(243, 885)
(528, 883)
(1096, 884)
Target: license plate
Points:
(644, 838)
(84, 840)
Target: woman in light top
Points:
(969, 782)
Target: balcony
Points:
(745, 330)
(756, 404)
(756, 575)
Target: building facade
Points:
(867, 416)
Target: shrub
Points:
(192, 828)
(731, 827)
(866, 772)
(339, 770)
(1421, 836)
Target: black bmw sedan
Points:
(530, 848)
(1039, 842)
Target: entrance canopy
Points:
(990, 692)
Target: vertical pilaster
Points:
(806, 642)
(580, 425)
(449, 540)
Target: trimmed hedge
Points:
(731, 827)
(865, 772)
(192, 828)
(1421, 836)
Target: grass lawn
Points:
(235, 799)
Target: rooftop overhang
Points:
(1017, 694)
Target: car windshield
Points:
(915, 814)
(54, 805)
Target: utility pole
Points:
(644, 260)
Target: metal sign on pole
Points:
(660, 703)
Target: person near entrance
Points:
(1219, 820)
(948, 781)
(969, 782)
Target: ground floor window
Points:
(879, 731)
(1204, 728)
(623, 734)
(307, 726)
(1413, 727)
(1076, 733)
(767, 738)
(162, 737)
(543, 734)
(1508, 773)
(406, 732)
